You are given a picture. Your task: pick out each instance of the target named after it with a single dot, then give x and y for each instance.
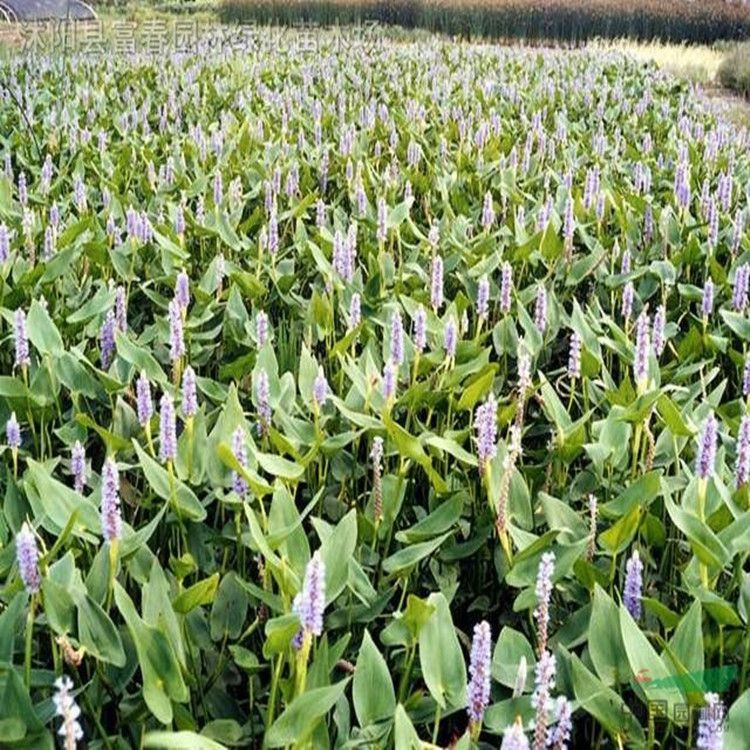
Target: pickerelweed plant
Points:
(371, 395)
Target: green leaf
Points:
(335, 552)
(606, 648)
(43, 333)
(162, 680)
(183, 740)
(604, 704)
(737, 723)
(279, 467)
(441, 519)
(672, 417)
(687, 641)
(197, 595)
(644, 660)
(97, 633)
(229, 608)
(405, 735)
(10, 619)
(168, 488)
(707, 547)
(409, 447)
(279, 634)
(409, 556)
(478, 388)
(641, 493)
(737, 322)
(140, 358)
(298, 721)
(511, 649)
(441, 658)
(372, 687)
(618, 536)
(57, 504)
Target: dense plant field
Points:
(570, 21)
(372, 397)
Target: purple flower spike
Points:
(355, 311)
(261, 329)
(707, 303)
(488, 212)
(189, 393)
(273, 233)
(239, 485)
(574, 356)
(382, 218)
(4, 243)
(167, 430)
(69, 711)
(397, 338)
(741, 286)
(658, 336)
(420, 329)
(711, 724)
(543, 596)
(706, 458)
(182, 291)
(78, 466)
(524, 372)
(483, 297)
(514, 738)
(544, 684)
(540, 309)
(13, 432)
(436, 285)
(176, 340)
(389, 380)
(111, 518)
(107, 340)
(144, 404)
(633, 591)
(450, 335)
(506, 287)
(485, 426)
(642, 341)
(262, 403)
(27, 556)
(21, 339)
(742, 472)
(628, 293)
(320, 388)
(478, 689)
(121, 309)
(218, 188)
(559, 735)
(310, 602)
(625, 262)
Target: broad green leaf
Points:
(182, 740)
(405, 735)
(42, 331)
(169, 488)
(606, 648)
(335, 552)
(299, 719)
(646, 665)
(441, 658)
(197, 595)
(372, 687)
(410, 555)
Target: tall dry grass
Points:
(573, 21)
